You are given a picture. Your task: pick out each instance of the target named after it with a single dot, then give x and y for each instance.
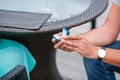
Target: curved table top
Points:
(69, 13)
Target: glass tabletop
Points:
(59, 9)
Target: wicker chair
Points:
(17, 73)
(39, 41)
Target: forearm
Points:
(101, 36)
(112, 57)
(108, 33)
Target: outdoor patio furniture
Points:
(38, 40)
(17, 73)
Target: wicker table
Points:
(39, 41)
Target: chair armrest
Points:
(17, 73)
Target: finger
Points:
(70, 48)
(62, 47)
(66, 48)
(58, 45)
(53, 41)
(76, 49)
(70, 43)
(72, 37)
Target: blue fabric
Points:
(98, 70)
(13, 53)
(117, 2)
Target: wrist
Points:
(95, 53)
(101, 53)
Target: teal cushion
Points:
(13, 53)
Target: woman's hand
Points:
(79, 44)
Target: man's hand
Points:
(79, 44)
(60, 45)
